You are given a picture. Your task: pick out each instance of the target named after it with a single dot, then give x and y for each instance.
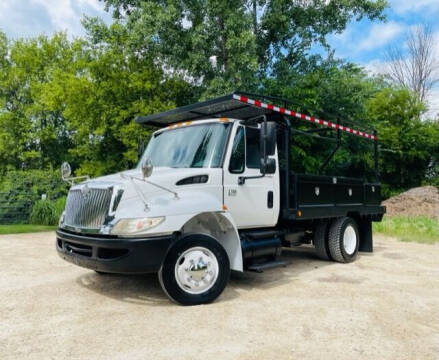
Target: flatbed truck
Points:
(215, 191)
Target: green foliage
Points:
(19, 190)
(332, 91)
(250, 39)
(414, 229)
(60, 205)
(69, 101)
(47, 212)
(409, 145)
(44, 213)
(32, 133)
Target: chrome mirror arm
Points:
(71, 180)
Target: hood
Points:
(152, 191)
(101, 202)
(165, 177)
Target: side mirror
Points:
(147, 168)
(66, 170)
(268, 137)
(268, 166)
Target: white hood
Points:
(159, 202)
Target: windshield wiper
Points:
(140, 193)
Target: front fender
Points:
(193, 211)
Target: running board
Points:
(259, 268)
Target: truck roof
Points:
(240, 106)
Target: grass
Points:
(24, 228)
(419, 229)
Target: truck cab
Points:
(212, 193)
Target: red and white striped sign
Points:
(303, 117)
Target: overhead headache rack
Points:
(239, 106)
(225, 106)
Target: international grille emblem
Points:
(85, 190)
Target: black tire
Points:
(341, 252)
(320, 240)
(101, 272)
(167, 273)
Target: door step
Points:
(259, 268)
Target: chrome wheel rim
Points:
(349, 240)
(196, 270)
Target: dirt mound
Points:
(420, 201)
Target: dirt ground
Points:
(420, 201)
(383, 306)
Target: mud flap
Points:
(366, 238)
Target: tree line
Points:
(76, 99)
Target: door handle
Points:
(270, 199)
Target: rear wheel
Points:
(344, 240)
(195, 271)
(320, 240)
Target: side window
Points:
(253, 151)
(237, 159)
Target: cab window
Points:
(237, 159)
(253, 157)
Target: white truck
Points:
(214, 192)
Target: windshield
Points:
(196, 146)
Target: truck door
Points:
(256, 202)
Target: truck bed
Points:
(317, 197)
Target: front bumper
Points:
(113, 254)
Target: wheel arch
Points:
(222, 228)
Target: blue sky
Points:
(26, 18)
(362, 42)
(365, 42)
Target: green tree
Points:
(117, 85)
(409, 145)
(332, 91)
(226, 45)
(31, 134)
(68, 100)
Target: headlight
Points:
(61, 219)
(135, 226)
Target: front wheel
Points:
(195, 271)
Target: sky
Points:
(365, 42)
(362, 42)
(27, 18)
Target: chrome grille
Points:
(87, 209)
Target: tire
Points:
(343, 240)
(320, 240)
(186, 284)
(101, 272)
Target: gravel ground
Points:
(383, 306)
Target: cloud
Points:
(376, 67)
(433, 104)
(66, 14)
(379, 35)
(406, 6)
(60, 12)
(26, 18)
